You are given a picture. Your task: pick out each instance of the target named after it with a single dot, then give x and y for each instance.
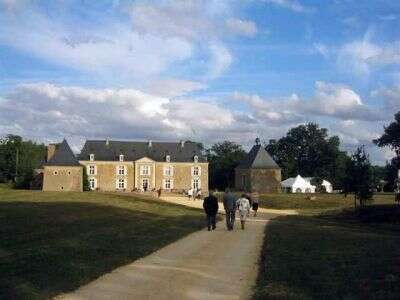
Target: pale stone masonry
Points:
(126, 166)
(61, 171)
(144, 166)
(258, 172)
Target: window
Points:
(145, 170)
(196, 171)
(121, 157)
(196, 184)
(168, 171)
(91, 170)
(121, 183)
(168, 158)
(92, 183)
(168, 184)
(91, 157)
(121, 170)
(196, 159)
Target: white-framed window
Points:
(121, 157)
(196, 183)
(168, 171)
(121, 183)
(168, 158)
(145, 170)
(92, 183)
(91, 170)
(196, 171)
(91, 157)
(168, 184)
(196, 159)
(121, 170)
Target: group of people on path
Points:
(231, 205)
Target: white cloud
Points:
(247, 28)
(50, 111)
(221, 59)
(174, 87)
(363, 55)
(322, 49)
(158, 36)
(292, 5)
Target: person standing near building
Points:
(230, 209)
(243, 206)
(190, 193)
(210, 206)
(255, 198)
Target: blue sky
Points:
(204, 70)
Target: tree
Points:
(391, 138)
(391, 135)
(309, 151)
(317, 182)
(223, 158)
(18, 159)
(359, 178)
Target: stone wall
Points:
(239, 173)
(182, 175)
(106, 174)
(57, 178)
(266, 180)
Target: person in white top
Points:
(243, 206)
(190, 193)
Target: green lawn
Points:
(322, 201)
(334, 255)
(55, 242)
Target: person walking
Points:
(210, 205)
(243, 206)
(230, 209)
(190, 193)
(255, 197)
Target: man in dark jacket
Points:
(230, 208)
(210, 206)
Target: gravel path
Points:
(204, 265)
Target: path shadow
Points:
(49, 248)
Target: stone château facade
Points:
(131, 165)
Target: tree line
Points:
(307, 150)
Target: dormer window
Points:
(91, 157)
(168, 158)
(196, 159)
(121, 157)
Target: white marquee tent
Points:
(303, 185)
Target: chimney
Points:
(182, 144)
(150, 143)
(51, 149)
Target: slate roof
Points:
(63, 156)
(134, 150)
(258, 158)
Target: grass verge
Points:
(55, 242)
(321, 201)
(335, 255)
